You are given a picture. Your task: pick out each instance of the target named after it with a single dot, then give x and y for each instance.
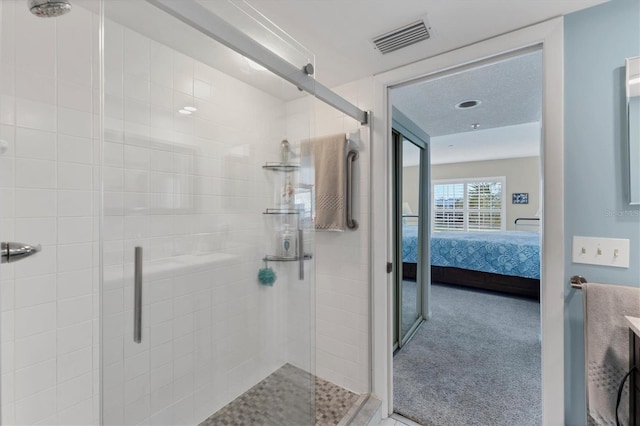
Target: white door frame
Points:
(549, 34)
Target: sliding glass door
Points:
(411, 227)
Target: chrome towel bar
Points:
(577, 281)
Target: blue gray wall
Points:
(597, 40)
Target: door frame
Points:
(550, 36)
(403, 126)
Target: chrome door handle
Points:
(137, 296)
(12, 252)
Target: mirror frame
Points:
(632, 91)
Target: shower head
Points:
(49, 8)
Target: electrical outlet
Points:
(601, 251)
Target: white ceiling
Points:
(509, 112)
(522, 140)
(509, 91)
(339, 32)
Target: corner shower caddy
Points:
(301, 255)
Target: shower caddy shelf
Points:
(282, 167)
(286, 168)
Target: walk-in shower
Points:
(143, 154)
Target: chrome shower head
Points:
(49, 8)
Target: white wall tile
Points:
(74, 149)
(74, 230)
(74, 176)
(35, 319)
(74, 203)
(74, 256)
(7, 171)
(74, 391)
(74, 364)
(35, 43)
(34, 379)
(136, 54)
(74, 311)
(35, 290)
(36, 407)
(74, 337)
(36, 86)
(35, 203)
(35, 173)
(35, 349)
(74, 96)
(35, 115)
(79, 414)
(75, 123)
(35, 144)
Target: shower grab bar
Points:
(137, 296)
(351, 222)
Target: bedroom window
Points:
(469, 204)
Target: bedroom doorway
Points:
(411, 201)
(477, 358)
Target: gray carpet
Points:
(476, 362)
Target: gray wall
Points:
(597, 40)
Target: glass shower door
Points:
(188, 125)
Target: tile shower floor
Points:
(284, 398)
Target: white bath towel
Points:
(607, 349)
(329, 154)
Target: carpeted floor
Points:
(476, 362)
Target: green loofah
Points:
(266, 276)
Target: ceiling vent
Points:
(401, 37)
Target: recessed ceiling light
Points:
(469, 103)
(190, 108)
(475, 126)
(184, 111)
(634, 80)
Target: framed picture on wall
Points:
(520, 198)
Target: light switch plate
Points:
(601, 251)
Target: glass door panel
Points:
(411, 301)
(411, 227)
(188, 125)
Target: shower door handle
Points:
(12, 252)
(137, 296)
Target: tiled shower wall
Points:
(48, 193)
(190, 189)
(342, 258)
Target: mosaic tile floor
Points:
(285, 398)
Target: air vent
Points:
(402, 37)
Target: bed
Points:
(504, 261)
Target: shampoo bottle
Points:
(287, 245)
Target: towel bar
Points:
(577, 281)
